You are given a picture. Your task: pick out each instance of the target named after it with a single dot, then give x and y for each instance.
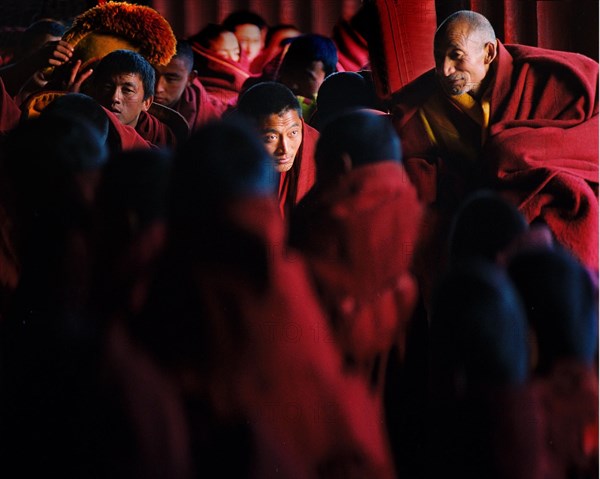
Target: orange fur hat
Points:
(114, 25)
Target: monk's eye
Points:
(294, 133)
(270, 138)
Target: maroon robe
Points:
(259, 351)
(10, 114)
(568, 400)
(358, 235)
(542, 146)
(197, 106)
(156, 132)
(300, 178)
(223, 79)
(123, 137)
(353, 52)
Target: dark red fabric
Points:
(358, 236)
(269, 360)
(353, 52)
(542, 149)
(123, 137)
(222, 79)
(153, 130)
(197, 106)
(10, 114)
(568, 400)
(300, 178)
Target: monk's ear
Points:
(346, 162)
(147, 102)
(491, 50)
(192, 76)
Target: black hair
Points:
(367, 137)
(308, 48)
(184, 52)
(41, 27)
(79, 106)
(267, 98)
(127, 61)
(209, 33)
(243, 17)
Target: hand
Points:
(78, 76)
(54, 54)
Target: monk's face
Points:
(226, 46)
(171, 81)
(123, 94)
(250, 39)
(462, 59)
(282, 134)
(303, 79)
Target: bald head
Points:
(464, 48)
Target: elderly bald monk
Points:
(521, 120)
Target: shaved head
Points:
(475, 22)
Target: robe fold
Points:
(156, 132)
(196, 105)
(358, 236)
(222, 78)
(255, 347)
(353, 52)
(10, 114)
(540, 149)
(300, 178)
(123, 137)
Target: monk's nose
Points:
(448, 67)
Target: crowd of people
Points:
(226, 256)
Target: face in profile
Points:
(226, 46)
(171, 81)
(282, 135)
(250, 39)
(123, 94)
(303, 79)
(462, 59)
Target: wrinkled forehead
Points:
(456, 34)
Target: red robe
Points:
(222, 79)
(300, 178)
(123, 137)
(268, 361)
(153, 130)
(353, 52)
(542, 143)
(568, 400)
(10, 114)
(358, 236)
(197, 106)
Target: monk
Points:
(123, 82)
(178, 87)
(309, 59)
(217, 60)
(250, 29)
(520, 120)
(357, 228)
(245, 339)
(275, 111)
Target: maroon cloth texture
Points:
(300, 178)
(123, 137)
(353, 53)
(222, 78)
(542, 148)
(358, 235)
(568, 400)
(271, 359)
(197, 106)
(10, 114)
(156, 132)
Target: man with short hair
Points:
(123, 83)
(275, 111)
(250, 30)
(514, 117)
(178, 87)
(309, 59)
